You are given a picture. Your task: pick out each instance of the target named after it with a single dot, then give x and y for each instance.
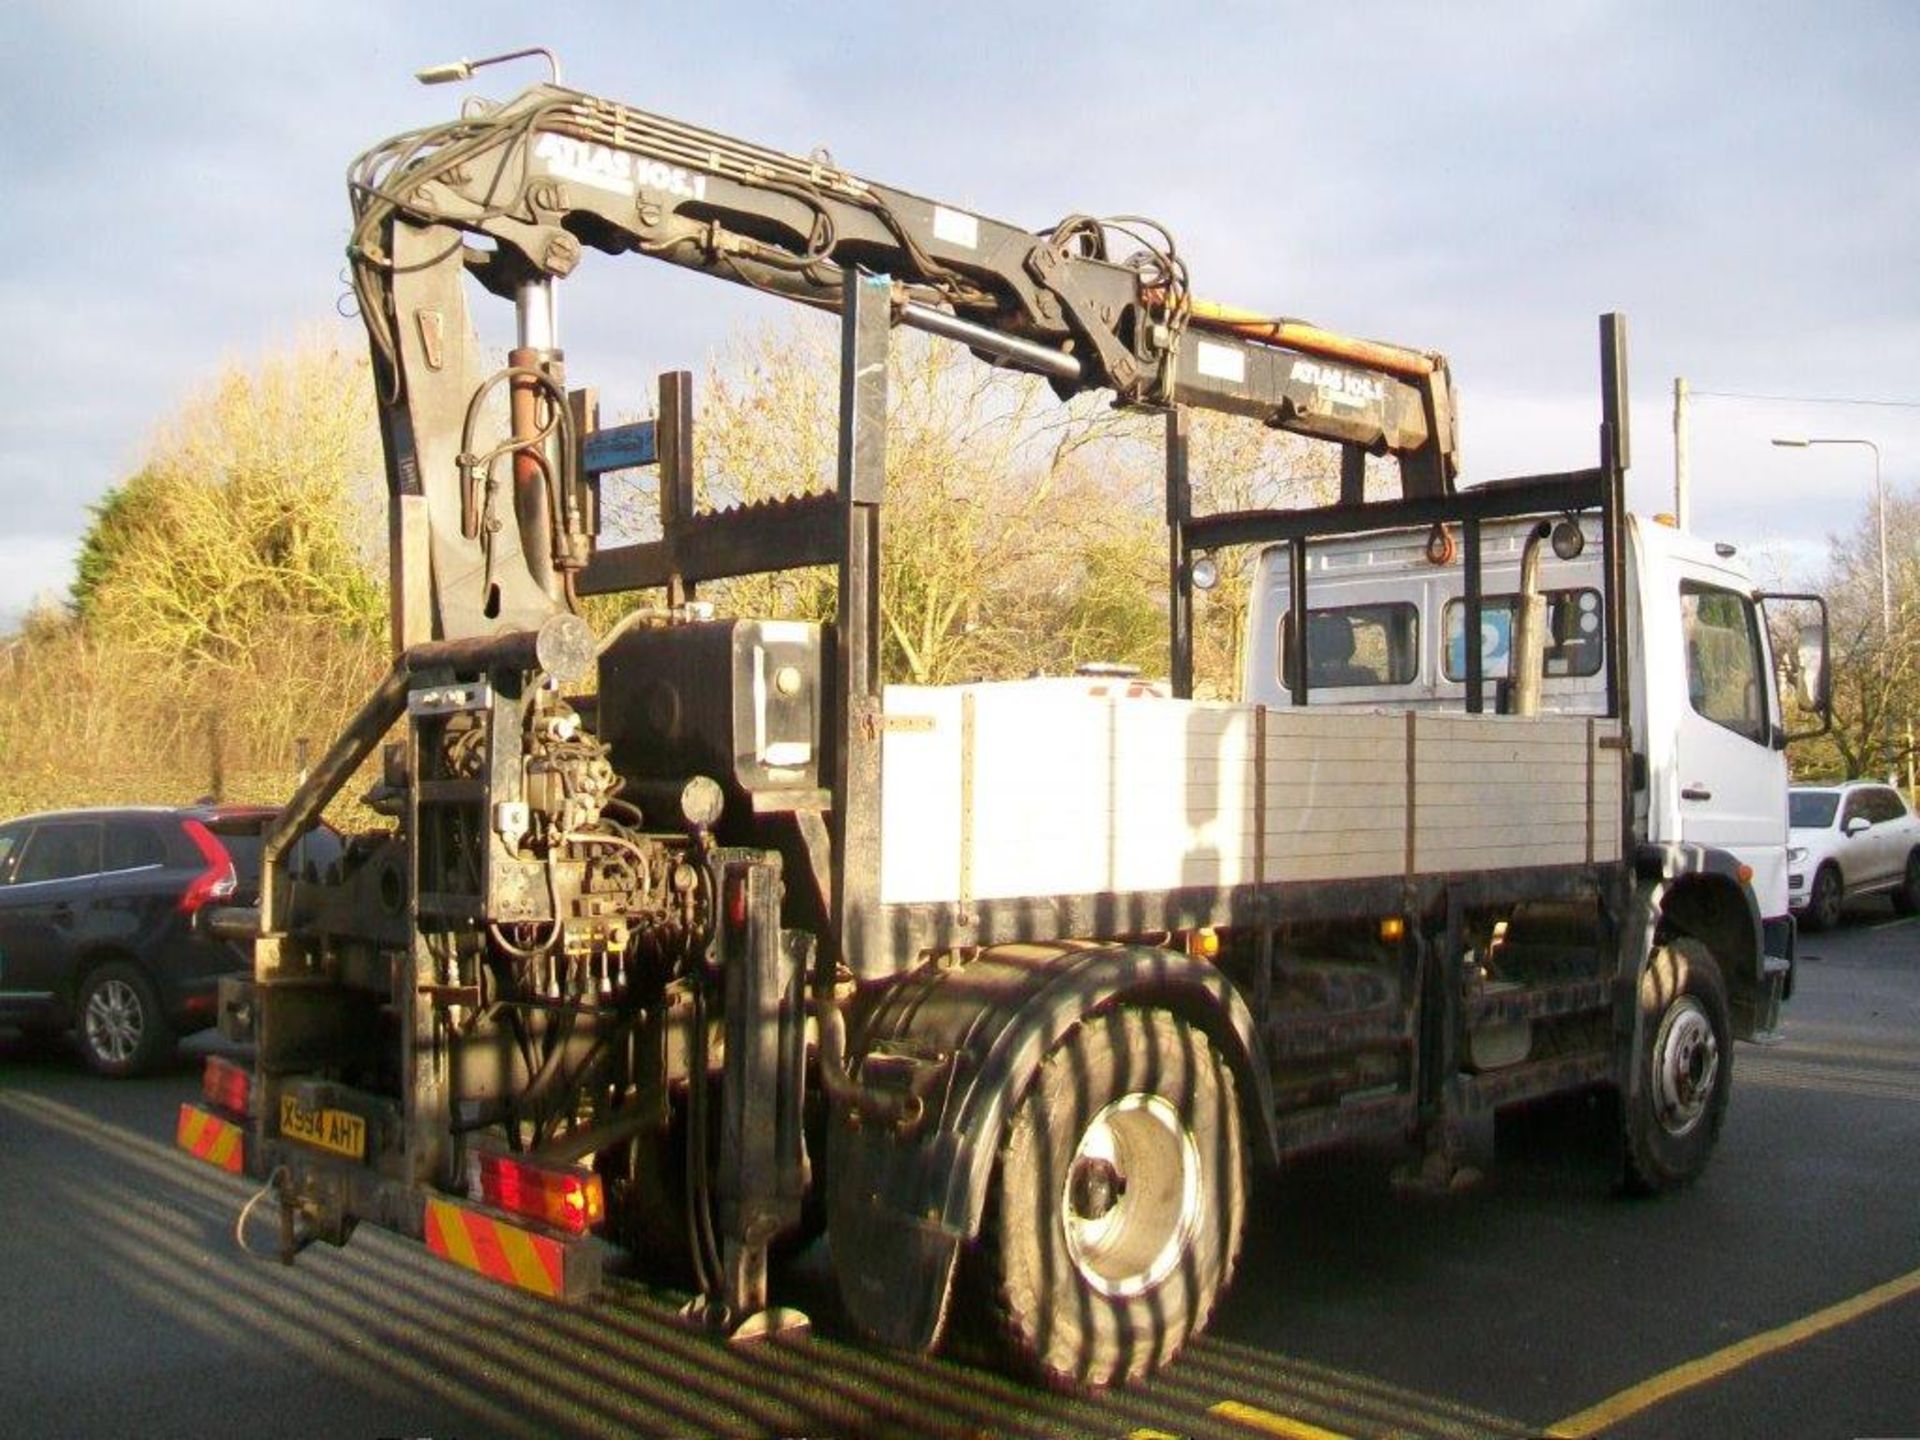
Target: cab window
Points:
(1722, 638)
(59, 851)
(10, 842)
(1354, 645)
(1572, 640)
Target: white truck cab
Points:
(1386, 631)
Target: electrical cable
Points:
(246, 1212)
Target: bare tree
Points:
(1876, 667)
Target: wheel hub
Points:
(1131, 1199)
(1096, 1188)
(1686, 1066)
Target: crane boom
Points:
(553, 171)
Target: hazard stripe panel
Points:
(207, 1137)
(511, 1254)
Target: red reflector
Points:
(569, 1197)
(226, 1084)
(737, 896)
(218, 881)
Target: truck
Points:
(693, 936)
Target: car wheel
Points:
(1115, 1218)
(1824, 900)
(1906, 899)
(1683, 1073)
(121, 1029)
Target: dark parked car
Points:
(98, 921)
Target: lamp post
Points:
(1880, 504)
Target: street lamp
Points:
(1880, 504)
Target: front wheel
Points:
(1117, 1209)
(1683, 1073)
(1824, 901)
(1906, 899)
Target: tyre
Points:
(1824, 900)
(1683, 1072)
(120, 1027)
(1114, 1222)
(1906, 899)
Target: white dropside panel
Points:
(1035, 788)
(1336, 794)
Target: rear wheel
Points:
(1677, 1097)
(1906, 899)
(121, 1029)
(1824, 900)
(1116, 1215)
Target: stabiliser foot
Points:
(711, 1313)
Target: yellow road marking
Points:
(1649, 1393)
(1282, 1425)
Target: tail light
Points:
(218, 881)
(566, 1197)
(737, 897)
(226, 1085)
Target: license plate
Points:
(340, 1131)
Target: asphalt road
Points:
(1541, 1300)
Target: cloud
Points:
(1481, 181)
(38, 568)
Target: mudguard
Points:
(948, 1053)
(1701, 888)
(1743, 932)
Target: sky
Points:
(1741, 180)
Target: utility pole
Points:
(1682, 462)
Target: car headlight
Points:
(1796, 854)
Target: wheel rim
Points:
(1132, 1196)
(1686, 1066)
(114, 1021)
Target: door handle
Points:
(63, 913)
(1695, 792)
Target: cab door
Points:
(1885, 843)
(1730, 764)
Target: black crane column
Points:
(856, 779)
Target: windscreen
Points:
(1811, 809)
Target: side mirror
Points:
(1816, 684)
(1806, 664)
(1857, 824)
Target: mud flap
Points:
(895, 1270)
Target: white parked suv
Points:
(1846, 840)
